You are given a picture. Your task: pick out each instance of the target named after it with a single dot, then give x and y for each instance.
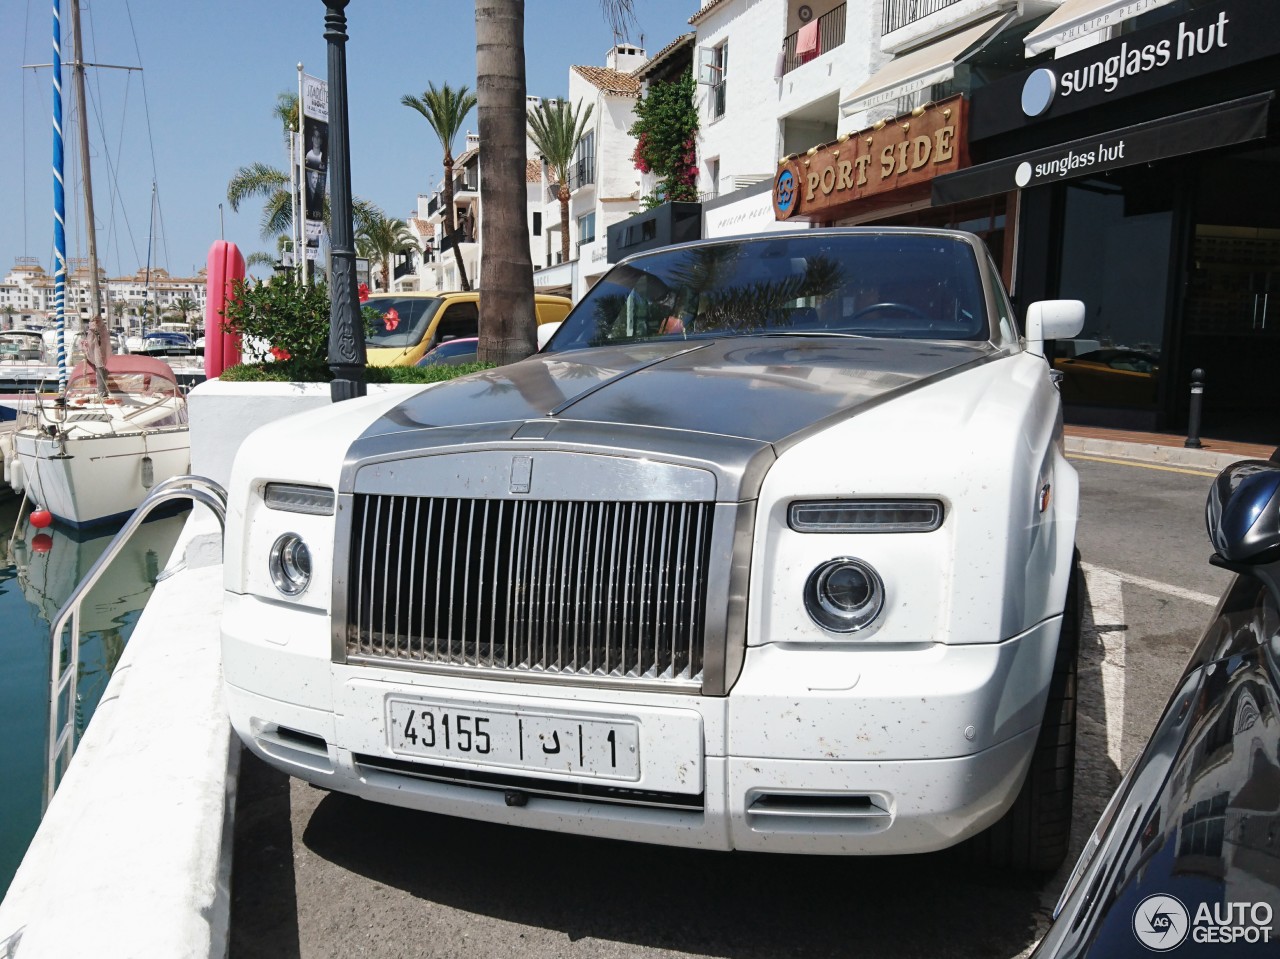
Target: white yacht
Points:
(89, 457)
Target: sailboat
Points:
(118, 424)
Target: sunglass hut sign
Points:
(1105, 76)
(906, 151)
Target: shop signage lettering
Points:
(1132, 61)
(1072, 163)
(1224, 124)
(906, 151)
(1199, 44)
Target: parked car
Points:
(451, 353)
(410, 324)
(1186, 855)
(771, 547)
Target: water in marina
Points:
(38, 571)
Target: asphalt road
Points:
(318, 875)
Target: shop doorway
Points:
(1231, 306)
(1117, 241)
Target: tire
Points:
(1034, 835)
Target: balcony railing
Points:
(463, 184)
(830, 36)
(900, 13)
(582, 173)
(433, 204)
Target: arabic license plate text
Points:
(519, 740)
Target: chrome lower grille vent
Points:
(611, 591)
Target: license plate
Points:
(515, 739)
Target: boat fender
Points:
(17, 481)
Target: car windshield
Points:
(401, 321)
(918, 285)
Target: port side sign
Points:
(1223, 124)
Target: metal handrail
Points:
(199, 489)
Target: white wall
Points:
(747, 139)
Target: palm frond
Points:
(286, 111)
(556, 129)
(444, 108)
(255, 180)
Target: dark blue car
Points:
(1186, 857)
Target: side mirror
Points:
(1052, 320)
(1243, 516)
(545, 332)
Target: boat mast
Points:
(59, 207)
(146, 288)
(97, 346)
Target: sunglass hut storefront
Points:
(1147, 178)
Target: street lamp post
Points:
(346, 338)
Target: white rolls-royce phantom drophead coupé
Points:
(771, 547)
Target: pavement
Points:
(1161, 448)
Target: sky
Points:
(202, 107)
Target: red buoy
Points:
(40, 518)
(42, 542)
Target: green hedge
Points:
(289, 372)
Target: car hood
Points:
(731, 404)
(760, 388)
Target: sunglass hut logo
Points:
(1045, 84)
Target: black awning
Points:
(1223, 124)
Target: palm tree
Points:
(184, 306)
(268, 182)
(507, 320)
(8, 311)
(274, 185)
(506, 309)
(380, 239)
(556, 129)
(445, 109)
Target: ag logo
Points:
(786, 191)
(1161, 923)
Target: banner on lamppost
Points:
(315, 158)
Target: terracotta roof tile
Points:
(706, 8)
(533, 171)
(685, 39)
(610, 81)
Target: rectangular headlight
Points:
(866, 516)
(292, 498)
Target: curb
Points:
(1152, 453)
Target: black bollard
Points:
(1197, 402)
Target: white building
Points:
(29, 290)
(437, 264)
(604, 184)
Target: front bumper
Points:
(835, 750)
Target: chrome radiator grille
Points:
(576, 588)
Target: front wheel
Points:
(1034, 835)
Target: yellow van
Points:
(409, 324)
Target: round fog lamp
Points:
(844, 595)
(290, 564)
